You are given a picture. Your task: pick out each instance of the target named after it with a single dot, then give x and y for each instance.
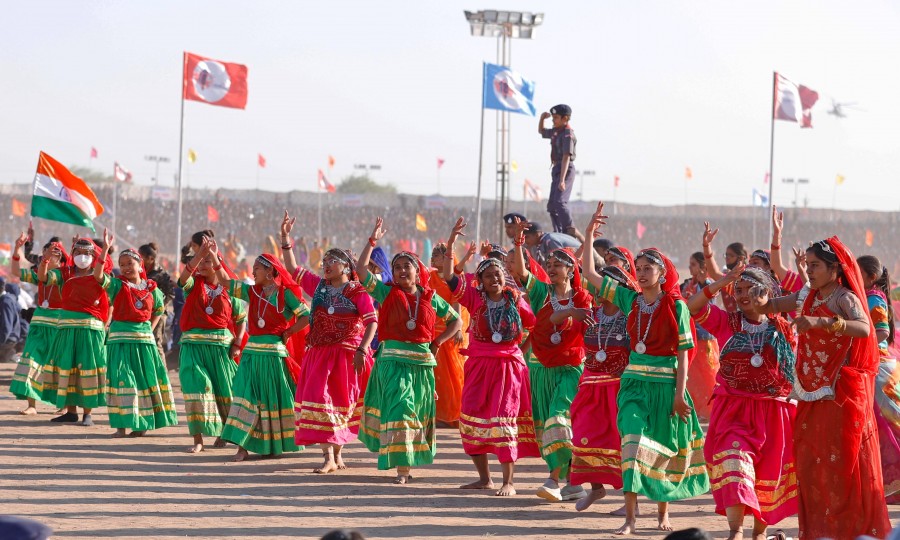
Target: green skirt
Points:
(75, 372)
(261, 417)
(139, 396)
(26, 381)
(552, 391)
(662, 456)
(207, 374)
(398, 414)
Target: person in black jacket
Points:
(165, 283)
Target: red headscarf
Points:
(576, 270)
(424, 275)
(863, 351)
(282, 277)
(64, 257)
(629, 259)
(107, 260)
(672, 287)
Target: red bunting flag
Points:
(214, 82)
(794, 102)
(640, 230)
(330, 162)
(324, 184)
(440, 162)
(18, 208)
(212, 215)
(93, 152)
(261, 161)
(766, 178)
(615, 181)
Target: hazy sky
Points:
(656, 86)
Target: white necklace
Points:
(556, 336)
(816, 302)
(609, 321)
(491, 305)
(413, 315)
(212, 294)
(333, 294)
(643, 307)
(753, 332)
(142, 286)
(260, 320)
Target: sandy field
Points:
(86, 485)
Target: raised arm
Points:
(287, 245)
(517, 263)
(191, 267)
(712, 269)
(213, 249)
(362, 264)
(457, 231)
(587, 254)
(775, 255)
(800, 262)
(104, 249)
(698, 302)
(544, 115)
(15, 265)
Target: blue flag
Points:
(506, 90)
(759, 199)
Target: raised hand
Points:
(708, 234)
(20, 241)
(735, 273)
(799, 259)
(777, 225)
(379, 231)
(598, 219)
(485, 248)
(459, 227)
(520, 227)
(107, 240)
(287, 225)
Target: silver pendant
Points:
(619, 337)
(756, 360)
(45, 304)
(331, 310)
(600, 356)
(411, 324)
(556, 338)
(640, 348)
(261, 323)
(496, 337)
(139, 304)
(96, 302)
(208, 310)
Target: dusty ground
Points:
(86, 485)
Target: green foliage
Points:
(364, 184)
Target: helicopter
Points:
(839, 110)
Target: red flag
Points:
(766, 178)
(120, 174)
(93, 152)
(261, 160)
(615, 181)
(640, 230)
(214, 82)
(870, 236)
(324, 184)
(440, 163)
(330, 161)
(794, 102)
(18, 208)
(212, 215)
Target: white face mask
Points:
(83, 261)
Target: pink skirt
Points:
(750, 455)
(596, 444)
(496, 409)
(329, 396)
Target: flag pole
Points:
(438, 179)
(772, 145)
(115, 215)
(180, 166)
(480, 160)
(319, 196)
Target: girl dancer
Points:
(749, 444)
(261, 419)
(213, 325)
(836, 443)
(26, 380)
(557, 343)
(662, 439)
(496, 396)
(75, 373)
(398, 415)
(336, 365)
(139, 396)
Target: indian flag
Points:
(61, 196)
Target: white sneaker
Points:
(551, 494)
(572, 493)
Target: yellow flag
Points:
(421, 224)
(839, 179)
(192, 156)
(514, 166)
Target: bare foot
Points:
(339, 461)
(119, 434)
(403, 479)
(196, 449)
(627, 528)
(479, 484)
(137, 433)
(621, 511)
(28, 411)
(327, 467)
(240, 455)
(585, 502)
(506, 490)
(737, 535)
(220, 443)
(759, 536)
(664, 524)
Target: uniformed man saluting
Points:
(562, 157)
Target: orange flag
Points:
(688, 173)
(870, 237)
(18, 208)
(212, 215)
(330, 161)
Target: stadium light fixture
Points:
(491, 23)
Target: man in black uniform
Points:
(562, 157)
